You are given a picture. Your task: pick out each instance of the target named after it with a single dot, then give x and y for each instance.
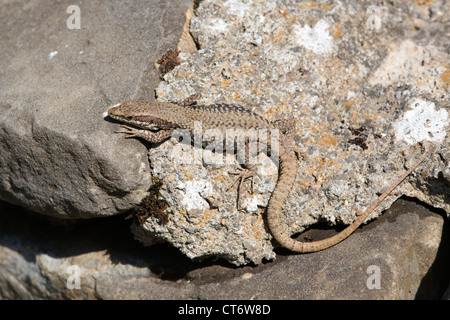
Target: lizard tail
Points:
(285, 183)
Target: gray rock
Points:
(59, 157)
(97, 259)
(362, 110)
(384, 261)
(364, 98)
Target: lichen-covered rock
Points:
(366, 91)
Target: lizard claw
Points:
(242, 174)
(132, 132)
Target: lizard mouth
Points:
(140, 125)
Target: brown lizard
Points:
(156, 121)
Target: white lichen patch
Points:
(317, 39)
(422, 122)
(218, 26)
(194, 193)
(251, 203)
(236, 8)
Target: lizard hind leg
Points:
(242, 175)
(191, 100)
(287, 127)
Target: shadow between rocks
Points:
(437, 279)
(32, 234)
(435, 282)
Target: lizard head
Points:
(138, 114)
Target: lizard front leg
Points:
(150, 136)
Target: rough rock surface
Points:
(58, 156)
(365, 87)
(402, 255)
(358, 91)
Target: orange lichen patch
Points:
(288, 17)
(368, 116)
(446, 75)
(188, 175)
(183, 212)
(352, 102)
(356, 114)
(282, 12)
(325, 138)
(221, 177)
(298, 130)
(247, 69)
(225, 83)
(272, 112)
(310, 4)
(260, 89)
(326, 141)
(160, 94)
(206, 216)
(256, 91)
(255, 227)
(422, 2)
(278, 36)
(316, 170)
(336, 30)
(284, 107)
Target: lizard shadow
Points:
(316, 232)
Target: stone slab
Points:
(407, 250)
(58, 156)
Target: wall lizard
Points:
(156, 121)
